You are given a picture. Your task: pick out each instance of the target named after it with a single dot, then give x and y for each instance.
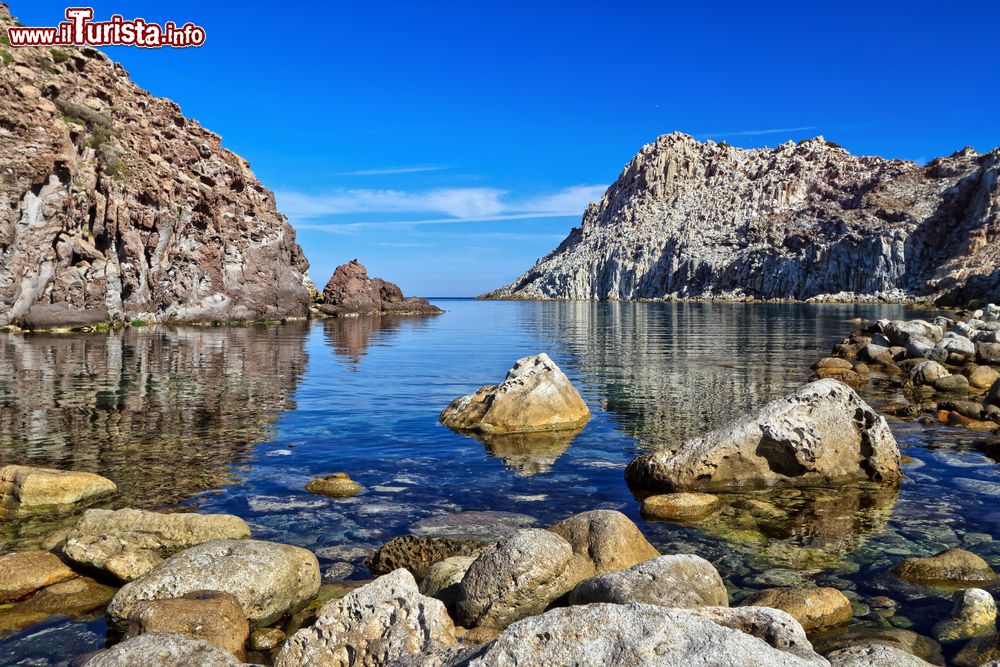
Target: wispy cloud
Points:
(384, 171)
(755, 133)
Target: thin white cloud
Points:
(412, 169)
(755, 133)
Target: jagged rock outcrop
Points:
(113, 205)
(351, 292)
(801, 221)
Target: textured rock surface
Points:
(418, 553)
(973, 614)
(351, 292)
(643, 635)
(812, 607)
(335, 485)
(162, 649)
(210, 615)
(267, 578)
(806, 220)
(519, 577)
(444, 579)
(377, 624)
(535, 396)
(76, 598)
(129, 543)
(683, 581)
(680, 506)
(953, 567)
(874, 655)
(823, 433)
(23, 573)
(607, 539)
(24, 487)
(905, 641)
(114, 205)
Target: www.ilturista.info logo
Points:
(79, 29)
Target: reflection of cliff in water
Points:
(351, 337)
(160, 411)
(675, 370)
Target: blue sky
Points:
(448, 145)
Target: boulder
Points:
(987, 352)
(979, 652)
(680, 506)
(519, 577)
(25, 572)
(639, 635)
(905, 641)
(951, 383)
(267, 578)
(61, 315)
(128, 543)
(982, 377)
(162, 649)
(335, 485)
(874, 655)
(606, 538)
(209, 615)
(76, 598)
(900, 331)
(351, 292)
(26, 488)
(681, 581)
(956, 349)
(377, 624)
(953, 567)
(812, 607)
(926, 372)
(918, 347)
(417, 553)
(876, 354)
(535, 396)
(444, 579)
(833, 363)
(266, 639)
(821, 434)
(973, 614)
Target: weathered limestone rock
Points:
(209, 615)
(25, 572)
(128, 543)
(974, 614)
(377, 624)
(638, 635)
(680, 506)
(519, 577)
(607, 539)
(418, 554)
(26, 488)
(874, 655)
(267, 578)
(905, 641)
(681, 581)
(812, 607)
(162, 649)
(351, 292)
(535, 396)
(821, 434)
(953, 567)
(336, 485)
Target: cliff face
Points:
(113, 205)
(801, 221)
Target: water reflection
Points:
(528, 453)
(159, 411)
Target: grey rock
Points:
(681, 581)
(444, 579)
(874, 655)
(926, 372)
(161, 649)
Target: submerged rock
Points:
(77, 598)
(417, 553)
(680, 506)
(378, 624)
(209, 615)
(906, 641)
(351, 292)
(821, 434)
(607, 539)
(268, 578)
(25, 572)
(335, 485)
(162, 649)
(27, 488)
(487, 526)
(128, 543)
(973, 614)
(953, 567)
(812, 607)
(681, 581)
(535, 396)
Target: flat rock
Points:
(417, 554)
(606, 538)
(128, 543)
(485, 525)
(268, 578)
(821, 434)
(26, 488)
(812, 607)
(210, 615)
(681, 581)
(76, 598)
(680, 506)
(535, 396)
(162, 649)
(61, 315)
(953, 567)
(25, 572)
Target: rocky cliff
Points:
(801, 221)
(113, 205)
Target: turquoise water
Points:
(238, 420)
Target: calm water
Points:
(238, 420)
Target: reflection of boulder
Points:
(161, 412)
(529, 453)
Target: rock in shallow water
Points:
(209, 615)
(821, 434)
(973, 614)
(680, 506)
(607, 539)
(417, 554)
(335, 485)
(162, 649)
(812, 607)
(874, 655)
(953, 567)
(26, 488)
(681, 581)
(23, 573)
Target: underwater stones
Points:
(476, 525)
(680, 506)
(335, 485)
(681, 581)
(128, 543)
(519, 577)
(418, 553)
(25, 572)
(974, 614)
(209, 615)
(606, 538)
(26, 488)
(953, 567)
(535, 396)
(267, 578)
(76, 598)
(380, 623)
(812, 607)
(163, 649)
(821, 434)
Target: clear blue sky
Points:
(449, 144)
